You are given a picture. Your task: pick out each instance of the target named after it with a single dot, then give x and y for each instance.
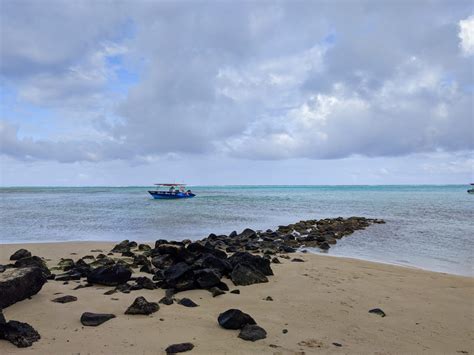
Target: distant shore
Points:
(320, 304)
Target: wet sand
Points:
(321, 301)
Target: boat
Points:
(173, 192)
(471, 190)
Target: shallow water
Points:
(429, 227)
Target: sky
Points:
(122, 93)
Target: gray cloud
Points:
(320, 80)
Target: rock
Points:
(179, 276)
(162, 261)
(248, 233)
(142, 306)
(207, 278)
(19, 334)
(297, 260)
(186, 302)
(33, 261)
(216, 291)
(66, 264)
(144, 247)
(234, 319)
(244, 275)
(236, 291)
(210, 261)
(145, 282)
(109, 275)
(275, 260)
(20, 254)
(166, 300)
(2, 268)
(65, 299)
(252, 332)
(257, 262)
(128, 253)
(122, 247)
(124, 288)
(18, 284)
(324, 246)
(95, 319)
(284, 331)
(179, 348)
(378, 311)
(269, 298)
(337, 344)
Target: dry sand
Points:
(322, 301)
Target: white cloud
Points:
(466, 34)
(256, 81)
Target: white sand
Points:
(320, 301)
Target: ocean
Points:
(428, 227)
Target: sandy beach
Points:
(323, 304)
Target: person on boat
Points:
(171, 191)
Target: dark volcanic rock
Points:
(258, 263)
(210, 261)
(95, 319)
(207, 278)
(145, 282)
(186, 302)
(179, 276)
(20, 254)
(142, 306)
(244, 275)
(166, 300)
(123, 247)
(236, 291)
(20, 334)
(216, 291)
(378, 311)
(234, 319)
(144, 247)
(33, 261)
(65, 299)
(109, 275)
(252, 332)
(18, 284)
(179, 348)
(297, 260)
(66, 264)
(324, 246)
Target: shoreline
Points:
(321, 302)
(113, 242)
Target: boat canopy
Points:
(170, 184)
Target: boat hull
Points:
(167, 196)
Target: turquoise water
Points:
(429, 227)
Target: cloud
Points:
(466, 34)
(249, 80)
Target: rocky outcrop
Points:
(16, 284)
